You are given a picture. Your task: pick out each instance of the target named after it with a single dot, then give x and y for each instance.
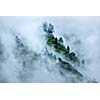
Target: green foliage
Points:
(68, 49)
(58, 46)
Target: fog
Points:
(83, 35)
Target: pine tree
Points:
(60, 40)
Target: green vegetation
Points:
(58, 46)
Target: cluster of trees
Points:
(23, 53)
(58, 45)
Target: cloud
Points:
(85, 29)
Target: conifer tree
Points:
(60, 40)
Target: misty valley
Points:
(49, 50)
